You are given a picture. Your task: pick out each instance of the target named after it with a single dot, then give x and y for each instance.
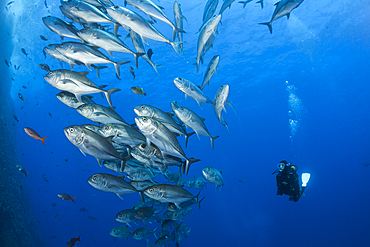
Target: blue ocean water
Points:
(300, 94)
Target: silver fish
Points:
(51, 49)
(91, 143)
(199, 183)
(139, 25)
(70, 99)
(161, 116)
(86, 11)
(213, 176)
(211, 69)
(76, 83)
(192, 120)
(62, 28)
(121, 232)
(190, 182)
(219, 104)
(100, 114)
(140, 185)
(107, 41)
(92, 128)
(169, 193)
(226, 4)
(191, 90)
(126, 216)
(110, 183)
(210, 11)
(283, 7)
(163, 138)
(140, 48)
(143, 232)
(122, 134)
(86, 55)
(154, 11)
(208, 29)
(142, 175)
(178, 22)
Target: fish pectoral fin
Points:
(99, 161)
(66, 81)
(82, 152)
(120, 196)
(231, 105)
(145, 39)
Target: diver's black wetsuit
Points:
(287, 183)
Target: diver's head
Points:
(282, 164)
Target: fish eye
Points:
(119, 215)
(106, 127)
(95, 178)
(116, 7)
(142, 107)
(71, 129)
(151, 189)
(145, 119)
(143, 145)
(181, 108)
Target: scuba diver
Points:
(287, 181)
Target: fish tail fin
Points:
(108, 94)
(72, 199)
(213, 138)
(155, 66)
(144, 94)
(137, 55)
(123, 162)
(176, 45)
(98, 68)
(154, 232)
(267, 24)
(78, 239)
(189, 162)
(227, 129)
(43, 140)
(117, 65)
(186, 138)
(199, 201)
(175, 31)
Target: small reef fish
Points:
(73, 241)
(22, 170)
(65, 196)
(32, 133)
(132, 72)
(45, 67)
(138, 90)
(150, 53)
(43, 38)
(7, 63)
(24, 52)
(21, 97)
(15, 117)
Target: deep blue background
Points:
(322, 50)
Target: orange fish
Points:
(34, 134)
(65, 196)
(73, 241)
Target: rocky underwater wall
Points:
(18, 227)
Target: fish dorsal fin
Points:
(221, 172)
(202, 118)
(102, 86)
(169, 114)
(161, 7)
(83, 152)
(112, 107)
